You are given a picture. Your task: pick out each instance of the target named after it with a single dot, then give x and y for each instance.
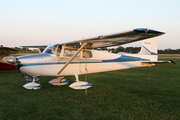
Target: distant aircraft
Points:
(5, 53)
(78, 57)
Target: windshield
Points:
(52, 49)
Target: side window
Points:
(87, 54)
(70, 52)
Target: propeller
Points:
(14, 61)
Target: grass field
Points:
(175, 56)
(125, 95)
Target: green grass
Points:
(125, 95)
(169, 56)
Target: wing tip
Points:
(146, 30)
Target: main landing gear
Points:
(78, 85)
(59, 81)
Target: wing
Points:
(40, 47)
(108, 40)
(35, 45)
(116, 38)
(5, 51)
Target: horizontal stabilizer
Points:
(160, 63)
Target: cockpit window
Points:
(53, 49)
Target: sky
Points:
(26, 22)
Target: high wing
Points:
(108, 40)
(6, 51)
(40, 47)
(116, 38)
(35, 45)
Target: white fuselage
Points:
(48, 64)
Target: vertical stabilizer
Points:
(149, 47)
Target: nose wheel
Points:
(33, 84)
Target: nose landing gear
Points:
(33, 84)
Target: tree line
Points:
(25, 50)
(120, 49)
(137, 49)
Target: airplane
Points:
(5, 53)
(78, 57)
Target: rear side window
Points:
(87, 54)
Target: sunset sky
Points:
(24, 22)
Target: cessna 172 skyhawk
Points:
(79, 57)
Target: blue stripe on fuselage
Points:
(123, 58)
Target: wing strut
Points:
(67, 63)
